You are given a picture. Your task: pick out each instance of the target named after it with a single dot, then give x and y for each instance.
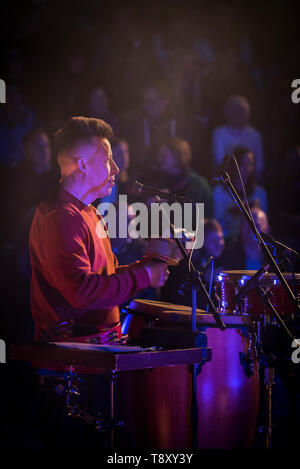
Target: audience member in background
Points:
(246, 253)
(148, 127)
(132, 62)
(34, 176)
(15, 122)
(225, 209)
(32, 179)
(186, 82)
(237, 132)
(73, 82)
(129, 249)
(178, 289)
(98, 107)
(175, 174)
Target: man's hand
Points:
(157, 272)
(165, 249)
(62, 329)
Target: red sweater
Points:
(75, 275)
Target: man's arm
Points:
(59, 250)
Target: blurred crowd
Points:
(180, 88)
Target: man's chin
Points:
(105, 193)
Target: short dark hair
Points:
(78, 129)
(159, 85)
(181, 150)
(32, 133)
(240, 151)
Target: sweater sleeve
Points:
(68, 266)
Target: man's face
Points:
(167, 161)
(247, 166)
(98, 102)
(237, 115)
(214, 243)
(154, 105)
(262, 224)
(100, 168)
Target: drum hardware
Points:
(247, 363)
(72, 388)
(269, 383)
(264, 294)
(246, 358)
(269, 371)
(93, 418)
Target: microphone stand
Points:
(196, 283)
(270, 241)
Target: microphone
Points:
(252, 283)
(268, 239)
(223, 167)
(138, 189)
(205, 263)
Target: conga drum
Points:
(230, 282)
(157, 402)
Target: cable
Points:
(210, 280)
(244, 191)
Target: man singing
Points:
(76, 282)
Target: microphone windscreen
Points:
(133, 188)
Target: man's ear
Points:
(81, 164)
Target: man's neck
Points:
(78, 191)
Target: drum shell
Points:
(230, 283)
(280, 299)
(157, 402)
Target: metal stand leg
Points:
(194, 404)
(269, 382)
(94, 418)
(113, 380)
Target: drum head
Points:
(155, 308)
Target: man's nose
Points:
(114, 168)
